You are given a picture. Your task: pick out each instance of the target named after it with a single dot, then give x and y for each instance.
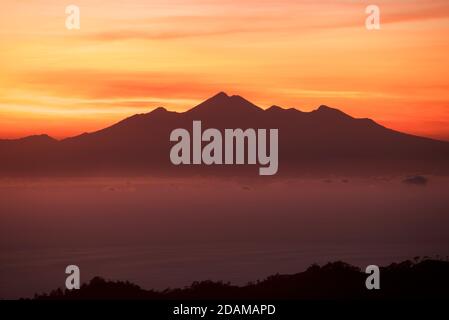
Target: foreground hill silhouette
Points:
(427, 279)
(323, 140)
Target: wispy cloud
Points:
(293, 17)
(101, 85)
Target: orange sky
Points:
(132, 56)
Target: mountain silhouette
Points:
(411, 280)
(325, 140)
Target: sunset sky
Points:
(132, 56)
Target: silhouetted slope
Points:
(407, 280)
(29, 154)
(323, 140)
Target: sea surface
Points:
(160, 233)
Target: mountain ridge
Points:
(323, 140)
(220, 98)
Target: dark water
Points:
(163, 233)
